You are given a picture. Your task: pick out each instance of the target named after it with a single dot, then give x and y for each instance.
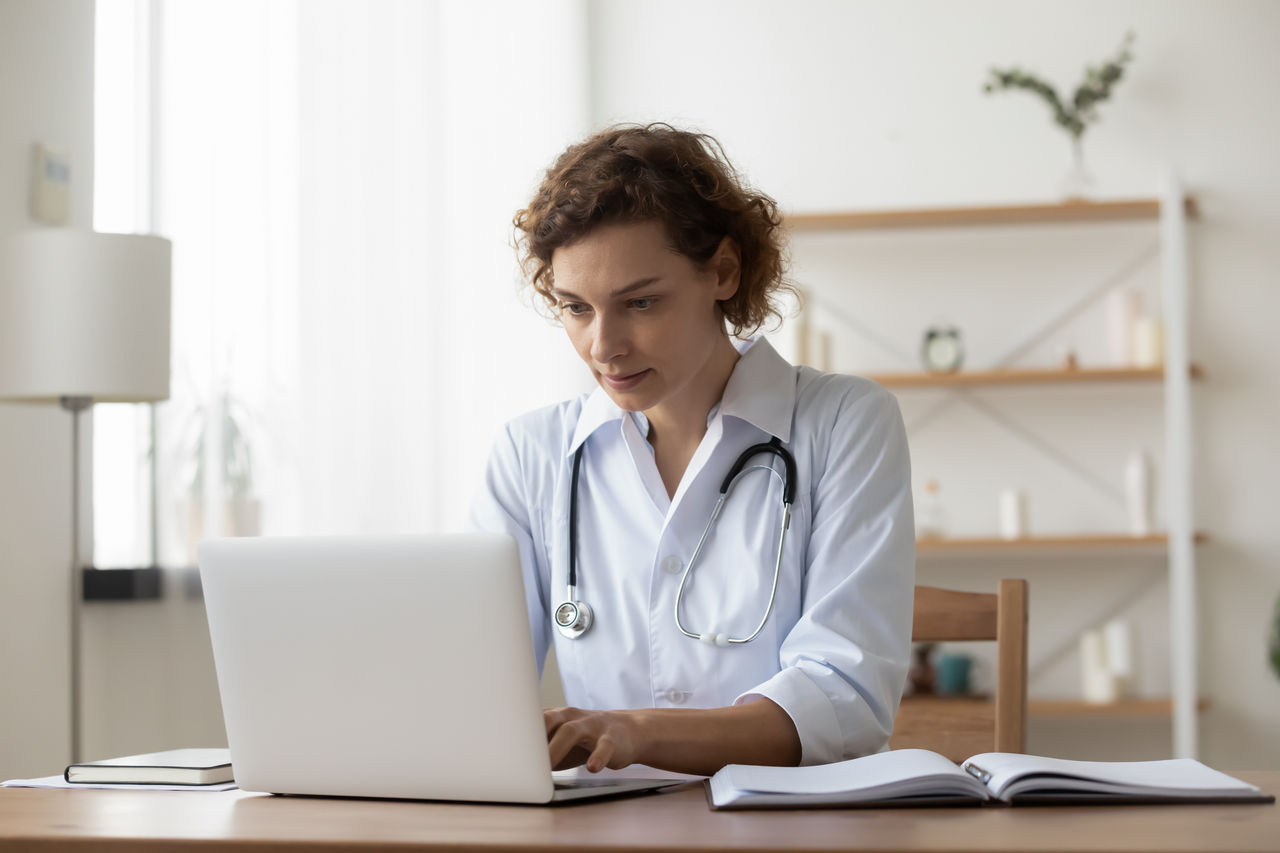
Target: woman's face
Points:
(642, 316)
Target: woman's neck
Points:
(677, 425)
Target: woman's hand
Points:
(686, 740)
(598, 739)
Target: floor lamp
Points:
(84, 319)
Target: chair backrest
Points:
(959, 727)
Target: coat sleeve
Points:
(843, 665)
(504, 504)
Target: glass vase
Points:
(1077, 184)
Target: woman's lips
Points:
(624, 383)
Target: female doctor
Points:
(778, 634)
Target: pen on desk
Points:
(977, 772)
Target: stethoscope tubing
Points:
(721, 639)
(573, 617)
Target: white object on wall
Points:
(50, 186)
(1013, 514)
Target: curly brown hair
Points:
(636, 173)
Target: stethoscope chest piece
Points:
(573, 617)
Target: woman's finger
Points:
(600, 756)
(568, 737)
(553, 718)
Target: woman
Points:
(660, 265)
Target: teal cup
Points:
(953, 673)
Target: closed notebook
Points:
(171, 767)
(906, 777)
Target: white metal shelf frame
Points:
(1183, 624)
(1172, 208)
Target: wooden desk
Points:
(47, 819)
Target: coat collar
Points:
(761, 391)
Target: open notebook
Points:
(920, 777)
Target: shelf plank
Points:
(1021, 214)
(1118, 710)
(1121, 709)
(1047, 545)
(1025, 376)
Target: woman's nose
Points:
(609, 340)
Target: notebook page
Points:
(1174, 775)
(882, 770)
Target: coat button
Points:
(676, 697)
(672, 565)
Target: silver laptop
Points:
(382, 667)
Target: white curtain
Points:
(338, 178)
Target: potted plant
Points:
(240, 509)
(1073, 115)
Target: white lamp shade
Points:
(84, 314)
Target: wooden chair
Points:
(959, 727)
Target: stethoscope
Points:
(573, 617)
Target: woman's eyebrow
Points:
(635, 285)
(621, 291)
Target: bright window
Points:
(122, 459)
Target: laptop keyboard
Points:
(582, 782)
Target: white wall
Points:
(46, 95)
(149, 681)
(847, 105)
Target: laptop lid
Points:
(377, 666)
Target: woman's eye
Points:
(574, 308)
(642, 303)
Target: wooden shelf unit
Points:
(1047, 546)
(1017, 214)
(1073, 709)
(1132, 709)
(1170, 211)
(1022, 376)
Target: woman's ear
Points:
(727, 265)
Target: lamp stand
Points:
(75, 405)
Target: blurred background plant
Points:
(216, 436)
(1073, 115)
(236, 448)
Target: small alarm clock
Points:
(941, 350)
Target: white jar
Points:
(1138, 493)
(1013, 514)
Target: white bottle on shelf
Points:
(1118, 640)
(1097, 683)
(931, 522)
(1013, 514)
(1123, 310)
(1148, 342)
(1138, 493)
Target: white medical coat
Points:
(835, 650)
